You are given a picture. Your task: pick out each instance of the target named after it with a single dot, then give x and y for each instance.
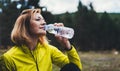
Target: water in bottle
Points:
(60, 30)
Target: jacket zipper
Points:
(34, 61)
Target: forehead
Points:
(36, 15)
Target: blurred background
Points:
(96, 24)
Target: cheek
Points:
(33, 25)
(33, 28)
(36, 29)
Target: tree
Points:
(7, 19)
(86, 26)
(107, 32)
(33, 3)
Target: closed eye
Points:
(37, 19)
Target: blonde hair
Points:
(20, 33)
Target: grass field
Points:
(96, 61)
(100, 61)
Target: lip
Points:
(42, 28)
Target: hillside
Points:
(112, 15)
(115, 15)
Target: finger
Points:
(61, 24)
(58, 37)
(55, 24)
(58, 24)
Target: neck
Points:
(33, 44)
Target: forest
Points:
(93, 30)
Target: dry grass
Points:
(100, 61)
(96, 61)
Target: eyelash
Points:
(38, 19)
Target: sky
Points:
(62, 6)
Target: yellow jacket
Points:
(40, 59)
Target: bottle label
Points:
(61, 31)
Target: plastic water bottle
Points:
(61, 31)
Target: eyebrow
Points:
(40, 17)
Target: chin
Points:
(43, 34)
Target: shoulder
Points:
(12, 51)
(2, 64)
(51, 47)
(7, 60)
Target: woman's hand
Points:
(62, 40)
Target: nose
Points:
(43, 22)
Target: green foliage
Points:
(33, 3)
(49, 18)
(93, 31)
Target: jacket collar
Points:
(25, 49)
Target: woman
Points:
(32, 51)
